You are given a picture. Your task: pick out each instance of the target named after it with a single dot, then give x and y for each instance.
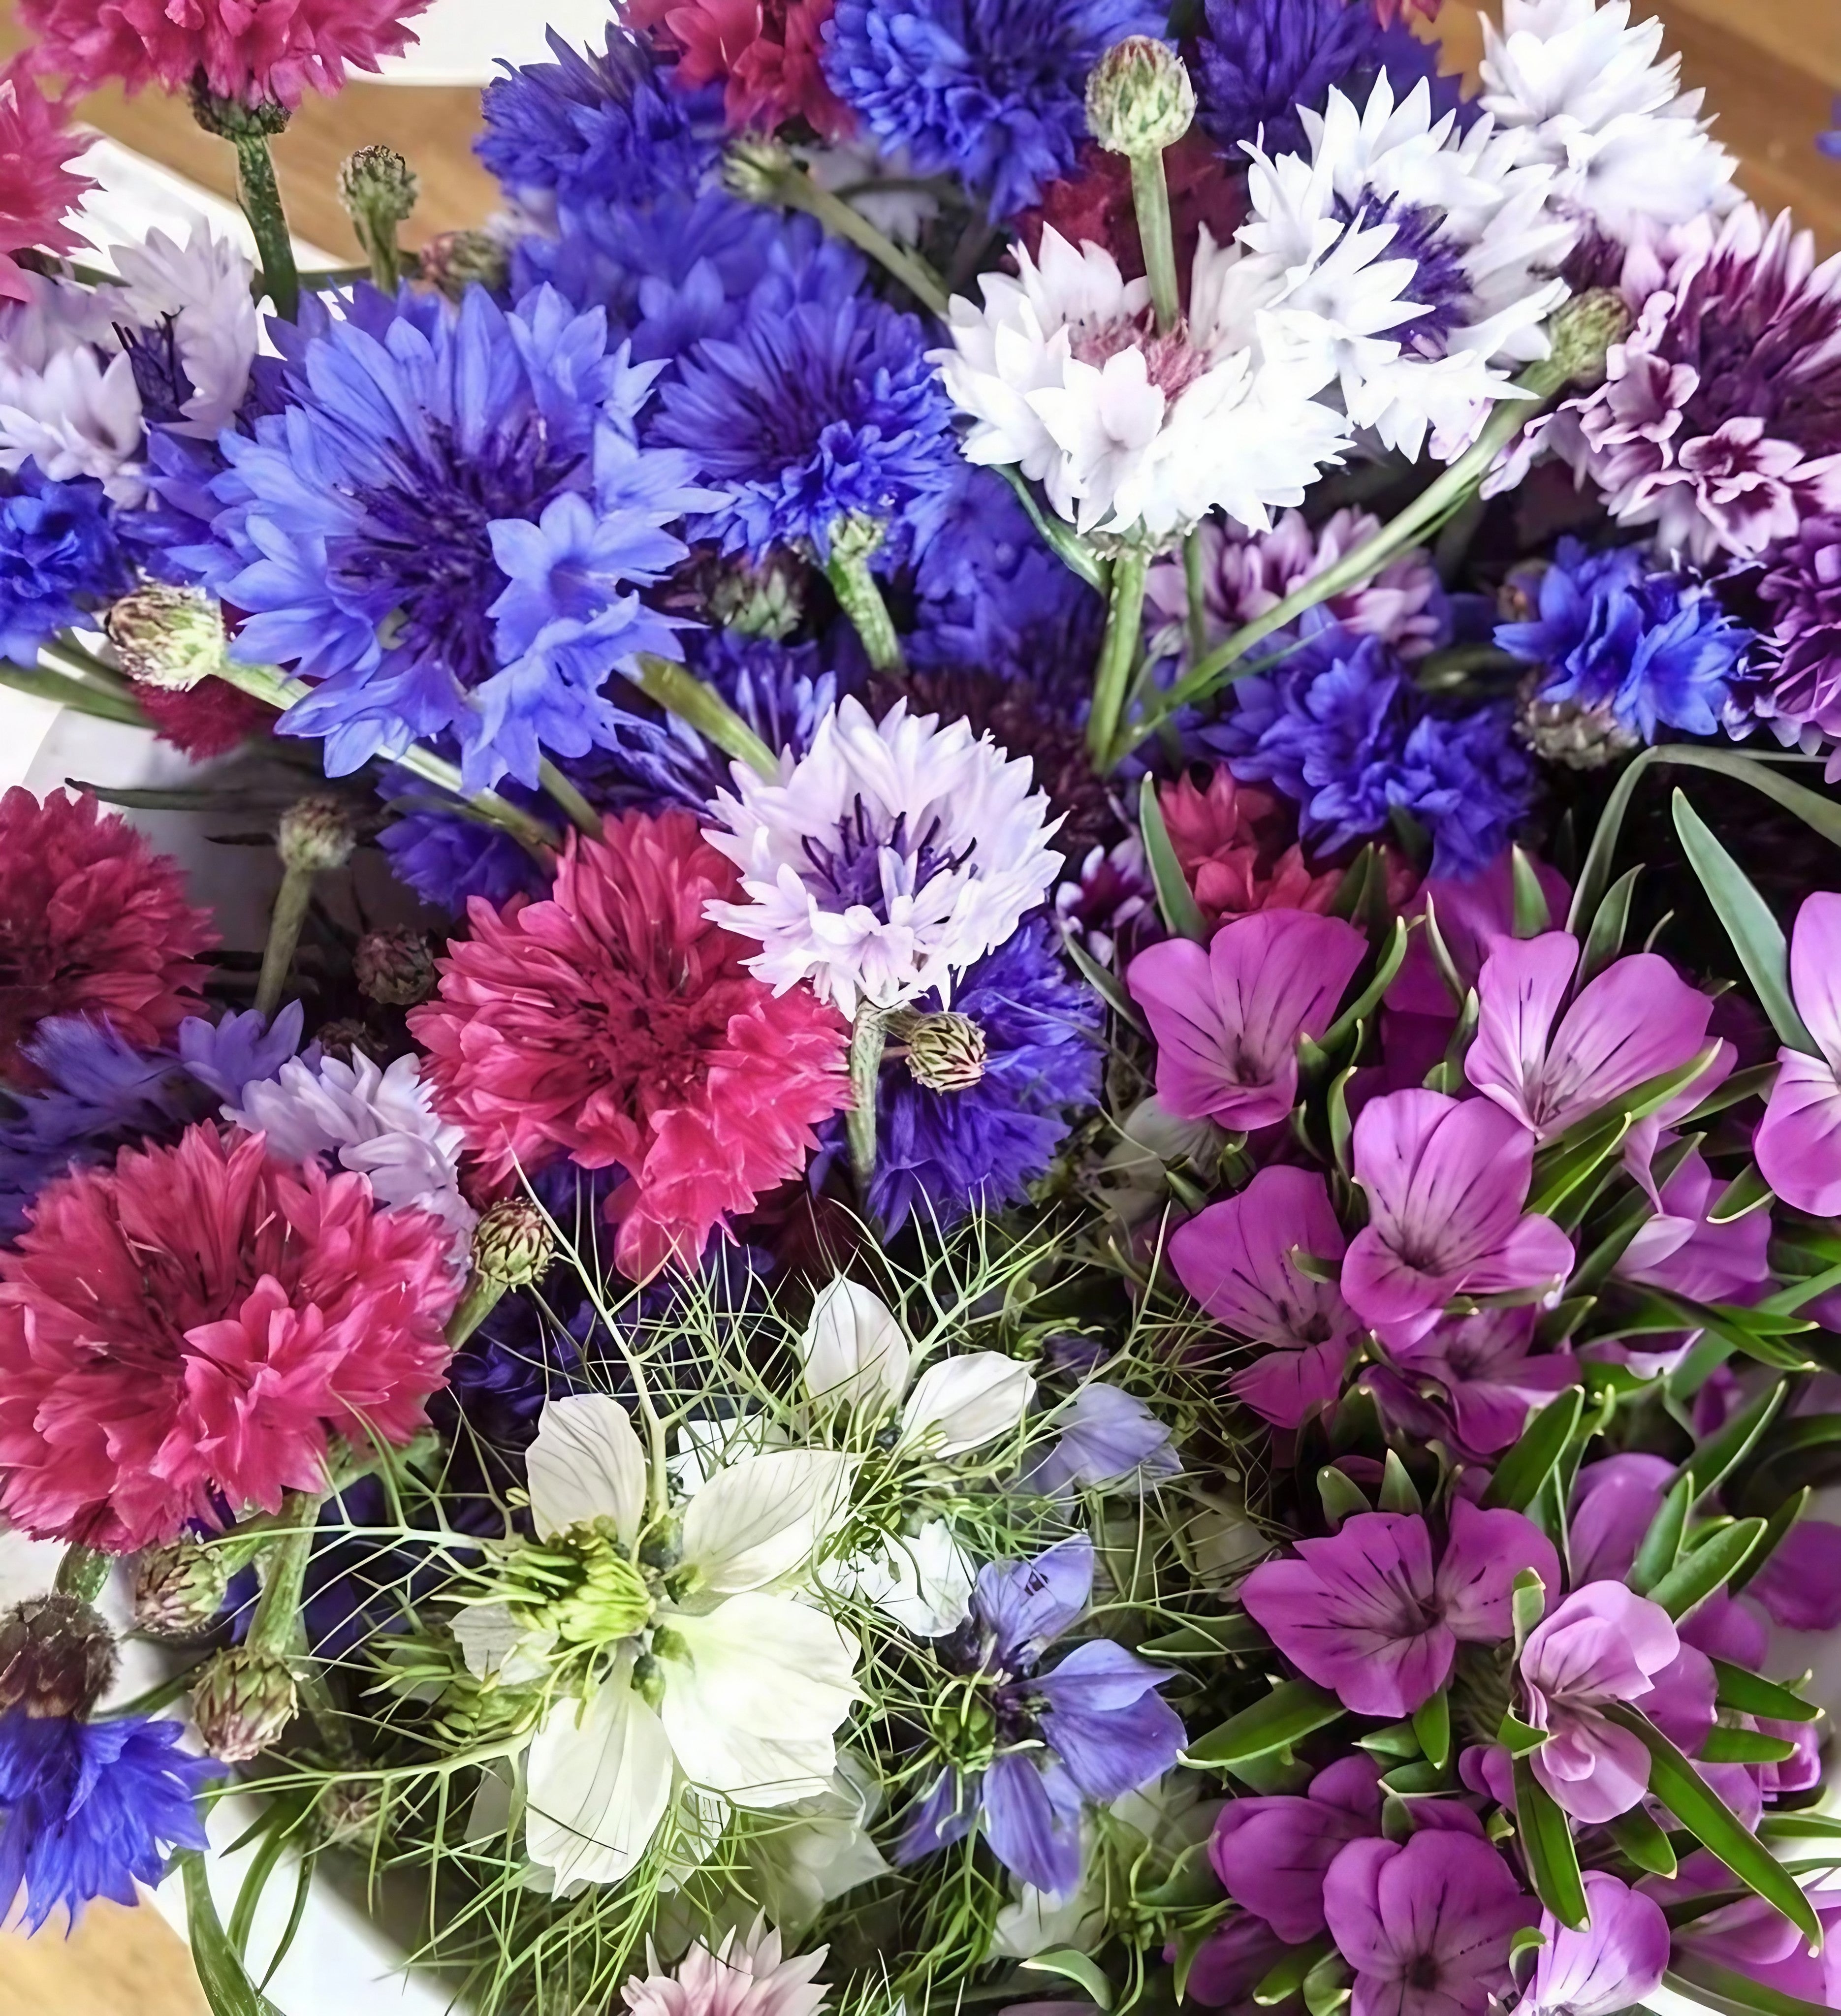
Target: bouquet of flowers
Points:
(1068, 1237)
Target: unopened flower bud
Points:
(242, 1702)
(1139, 98)
(455, 260)
(763, 600)
(316, 833)
(171, 638)
(946, 1052)
(377, 186)
(345, 1037)
(512, 1245)
(855, 539)
(230, 119)
(1583, 331)
(178, 1590)
(349, 1810)
(1573, 733)
(57, 1657)
(395, 967)
(754, 166)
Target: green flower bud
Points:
(242, 1703)
(1139, 98)
(755, 166)
(1570, 733)
(178, 1590)
(512, 1245)
(172, 638)
(230, 119)
(57, 1657)
(580, 1585)
(316, 833)
(1583, 331)
(946, 1052)
(767, 600)
(395, 967)
(455, 260)
(349, 1810)
(377, 186)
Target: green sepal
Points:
(1398, 1493)
(1526, 1467)
(1286, 1978)
(1661, 1544)
(1181, 913)
(1518, 1738)
(1744, 1746)
(1432, 1724)
(1604, 941)
(1748, 1693)
(1080, 1968)
(1638, 1834)
(1342, 1497)
(1706, 1567)
(1532, 916)
(1326, 1986)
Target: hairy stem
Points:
(868, 1034)
(260, 195)
(1151, 199)
(292, 901)
(284, 1577)
(580, 814)
(847, 570)
(787, 183)
(679, 691)
(1118, 650)
(1196, 589)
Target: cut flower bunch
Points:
(1030, 1196)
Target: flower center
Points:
(1439, 283)
(1172, 362)
(852, 873)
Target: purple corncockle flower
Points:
(1235, 1259)
(1607, 1644)
(1635, 1020)
(1613, 1502)
(1272, 1854)
(1681, 1249)
(1427, 1923)
(1754, 1937)
(1446, 1180)
(1370, 1614)
(1234, 1959)
(1617, 1960)
(1799, 1141)
(1491, 1376)
(1092, 1728)
(1228, 1018)
(1800, 1585)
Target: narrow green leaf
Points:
(1432, 1724)
(297, 1916)
(1182, 914)
(1398, 1493)
(1314, 1267)
(1594, 876)
(1528, 1939)
(1420, 1777)
(1546, 1840)
(1327, 1985)
(1523, 1471)
(1752, 1083)
(1527, 1603)
(1336, 1107)
(1349, 891)
(1287, 1978)
(1744, 1194)
(1604, 941)
(1108, 986)
(1560, 1176)
(1441, 953)
(1208, 1638)
(1661, 1544)
(1724, 1450)
(1710, 1567)
(1806, 1432)
(1364, 1003)
(1643, 1842)
(1078, 1967)
(1342, 1497)
(1532, 915)
(221, 1973)
(1706, 1816)
(1751, 1694)
(1757, 1333)
(1708, 1986)
(255, 1880)
(1744, 1746)
(1293, 1711)
(1775, 1528)
(1518, 1738)
(1799, 1295)
(1800, 1827)
(1396, 1739)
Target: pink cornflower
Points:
(745, 1976)
(1237, 845)
(253, 51)
(187, 1330)
(615, 1025)
(92, 922)
(37, 185)
(765, 52)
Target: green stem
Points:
(292, 901)
(70, 658)
(795, 188)
(1151, 199)
(868, 1034)
(861, 600)
(1061, 539)
(260, 195)
(480, 1298)
(82, 1573)
(564, 795)
(679, 691)
(1195, 564)
(1125, 623)
(284, 1577)
(379, 242)
(64, 689)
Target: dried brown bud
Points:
(57, 1657)
(395, 967)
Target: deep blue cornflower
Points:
(992, 91)
(59, 557)
(445, 532)
(941, 1154)
(811, 414)
(593, 123)
(1258, 62)
(1615, 630)
(90, 1809)
(447, 860)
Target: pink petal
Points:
(1798, 1143)
(1518, 994)
(1636, 1019)
(1815, 971)
(1235, 1258)
(1486, 1552)
(1289, 1388)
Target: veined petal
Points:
(958, 1403)
(599, 1778)
(587, 1462)
(766, 1516)
(854, 1351)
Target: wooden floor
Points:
(1772, 67)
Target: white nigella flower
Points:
(380, 1123)
(196, 297)
(1589, 93)
(1416, 262)
(1065, 375)
(715, 1678)
(884, 861)
(68, 398)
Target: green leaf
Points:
(1525, 1938)
(1751, 1694)
(1643, 1842)
(1800, 1827)
(1398, 1493)
(1314, 1267)
(1753, 1083)
(1744, 1746)
(1523, 1471)
(1532, 915)
(1396, 1739)
(1604, 941)
(1182, 914)
(1441, 954)
(1756, 935)
(1724, 1451)
(1342, 1497)
(1757, 1333)
(1208, 1637)
(1432, 1724)
(1744, 1194)
(1518, 1738)
(1708, 1986)
(1559, 1175)
(1527, 1603)
(221, 1972)
(1546, 1840)
(1706, 1816)
(1347, 899)
(1594, 876)
(1328, 1985)
(1806, 1432)
(1078, 1967)
(1422, 1776)
(1336, 1107)
(1365, 1002)
(1661, 1543)
(1287, 1978)
(1775, 1528)
(1108, 986)
(1709, 1567)
(1291, 1712)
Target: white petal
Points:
(599, 1779)
(853, 1351)
(924, 1584)
(960, 1403)
(587, 1464)
(765, 1516)
(492, 1642)
(753, 1705)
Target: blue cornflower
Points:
(602, 124)
(1258, 62)
(992, 91)
(90, 1809)
(1092, 1727)
(58, 556)
(448, 858)
(1616, 631)
(811, 414)
(940, 1154)
(445, 531)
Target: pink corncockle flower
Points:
(1237, 845)
(270, 52)
(1799, 1142)
(1613, 1502)
(764, 53)
(1228, 1018)
(744, 1976)
(1235, 1259)
(1376, 1612)
(1634, 1021)
(191, 1327)
(1427, 1924)
(1800, 1585)
(1490, 1376)
(38, 188)
(1615, 1962)
(1446, 1180)
(1682, 1249)
(1605, 1643)
(1272, 1854)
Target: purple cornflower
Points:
(1376, 1613)
(1798, 1142)
(991, 91)
(1090, 1728)
(1615, 1962)
(1799, 686)
(59, 557)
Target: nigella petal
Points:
(1026, 1605)
(1105, 1721)
(944, 1816)
(1032, 1820)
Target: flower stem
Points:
(284, 1577)
(1194, 561)
(292, 901)
(562, 793)
(1150, 200)
(82, 1573)
(1061, 539)
(868, 1034)
(479, 1298)
(679, 691)
(1124, 621)
(847, 570)
(260, 195)
(66, 689)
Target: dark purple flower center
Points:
(850, 872)
(159, 378)
(1439, 283)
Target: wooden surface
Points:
(117, 1962)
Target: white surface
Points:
(459, 41)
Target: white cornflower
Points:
(1129, 431)
(380, 1123)
(884, 861)
(198, 297)
(68, 398)
(1590, 95)
(1414, 262)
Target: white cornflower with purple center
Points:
(68, 398)
(886, 860)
